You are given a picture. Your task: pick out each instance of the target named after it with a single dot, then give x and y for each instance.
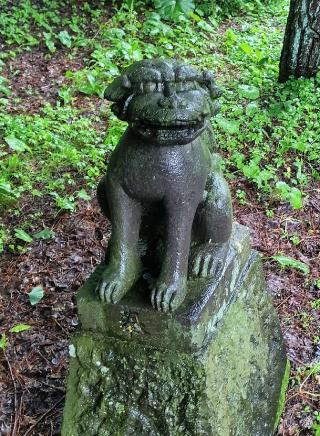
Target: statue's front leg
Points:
(123, 266)
(171, 286)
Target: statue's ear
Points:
(208, 80)
(214, 107)
(118, 90)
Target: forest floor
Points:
(58, 198)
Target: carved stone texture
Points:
(301, 48)
(163, 191)
(217, 366)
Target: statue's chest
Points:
(151, 173)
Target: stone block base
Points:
(214, 368)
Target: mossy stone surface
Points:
(191, 327)
(229, 381)
(245, 364)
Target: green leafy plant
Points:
(83, 195)
(292, 194)
(4, 86)
(304, 373)
(49, 41)
(227, 8)
(64, 203)
(36, 295)
(18, 328)
(24, 236)
(241, 196)
(44, 234)
(66, 95)
(249, 92)
(65, 38)
(15, 144)
(3, 238)
(228, 126)
(8, 195)
(52, 140)
(295, 239)
(316, 304)
(3, 341)
(290, 262)
(93, 85)
(306, 319)
(316, 424)
(171, 9)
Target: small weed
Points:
(316, 424)
(3, 238)
(304, 373)
(15, 329)
(295, 239)
(269, 213)
(241, 196)
(306, 319)
(289, 262)
(315, 304)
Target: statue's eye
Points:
(179, 86)
(188, 86)
(159, 86)
(149, 86)
(182, 86)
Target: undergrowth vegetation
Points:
(269, 133)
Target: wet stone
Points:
(217, 366)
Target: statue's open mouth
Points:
(174, 131)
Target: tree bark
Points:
(301, 48)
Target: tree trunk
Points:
(301, 48)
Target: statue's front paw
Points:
(208, 260)
(116, 281)
(167, 298)
(110, 289)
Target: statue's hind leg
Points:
(212, 228)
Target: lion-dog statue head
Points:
(164, 100)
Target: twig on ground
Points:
(43, 416)
(15, 399)
(19, 413)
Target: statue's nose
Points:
(170, 100)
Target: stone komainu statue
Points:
(168, 203)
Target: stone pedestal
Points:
(215, 367)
